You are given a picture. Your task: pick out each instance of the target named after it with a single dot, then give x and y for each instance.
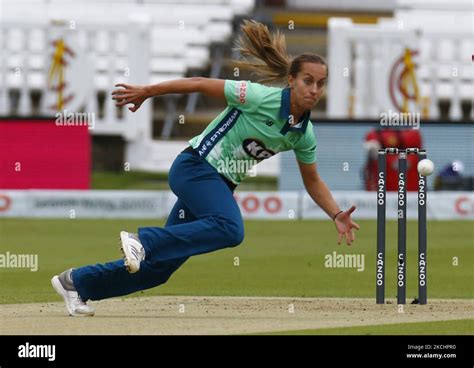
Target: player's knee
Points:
(231, 230)
(236, 233)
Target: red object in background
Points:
(38, 154)
(398, 139)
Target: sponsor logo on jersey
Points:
(242, 91)
(256, 149)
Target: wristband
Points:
(334, 218)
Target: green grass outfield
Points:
(139, 180)
(277, 258)
(454, 327)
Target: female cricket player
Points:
(258, 122)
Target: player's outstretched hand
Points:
(345, 226)
(135, 95)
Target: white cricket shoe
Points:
(132, 250)
(74, 304)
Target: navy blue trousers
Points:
(205, 218)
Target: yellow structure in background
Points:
(409, 77)
(57, 70)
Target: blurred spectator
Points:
(451, 177)
(391, 138)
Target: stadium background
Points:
(56, 179)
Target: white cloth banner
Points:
(253, 205)
(84, 204)
(268, 205)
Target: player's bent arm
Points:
(208, 86)
(317, 189)
(136, 95)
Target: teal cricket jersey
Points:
(254, 126)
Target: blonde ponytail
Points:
(264, 53)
